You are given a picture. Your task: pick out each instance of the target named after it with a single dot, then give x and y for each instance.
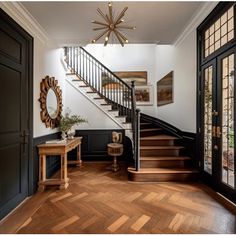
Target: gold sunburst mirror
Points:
(111, 25)
(50, 102)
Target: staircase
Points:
(161, 159)
(158, 155)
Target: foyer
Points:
(166, 99)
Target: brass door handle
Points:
(218, 131)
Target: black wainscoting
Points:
(94, 145)
(53, 162)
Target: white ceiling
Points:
(156, 22)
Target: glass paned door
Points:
(227, 121)
(218, 108)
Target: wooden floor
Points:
(100, 201)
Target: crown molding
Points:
(196, 20)
(21, 15)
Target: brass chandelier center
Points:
(111, 25)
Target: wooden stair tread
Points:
(84, 86)
(144, 123)
(98, 98)
(151, 129)
(179, 158)
(163, 170)
(160, 147)
(158, 137)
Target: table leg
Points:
(79, 161)
(64, 178)
(42, 172)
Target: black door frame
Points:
(201, 62)
(29, 42)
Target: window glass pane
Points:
(223, 29)
(211, 39)
(217, 35)
(227, 155)
(223, 18)
(230, 24)
(212, 49)
(206, 43)
(206, 52)
(230, 35)
(230, 12)
(224, 40)
(217, 44)
(206, 34)
(212, 29)
(208, 120)
(217, 24)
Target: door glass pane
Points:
(208, 120)
(227, 155)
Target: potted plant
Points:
(67, 122)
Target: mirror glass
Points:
(51, 103)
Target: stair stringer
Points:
(83, 91)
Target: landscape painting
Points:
(140, 77)
(165, 90)
(144, 95)
(108, 83)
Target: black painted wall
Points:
(93, 148)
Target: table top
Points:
(59, 143)
(115, 145)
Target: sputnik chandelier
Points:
(112, 25)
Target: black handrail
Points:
(118, 93)
(105, 67)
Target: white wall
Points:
(80, 105)
(46, 62)
(182, 60)
(131, 57)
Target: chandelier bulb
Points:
(106, 39)
(94, 41)
(126, 40)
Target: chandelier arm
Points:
(125, 27)
(110, 11)
(106, 41)
(122, 36)
(99, 23)
(100, 28)
(101, 13)
(108, 20)
(119, 38)
(100, 35)
(121, 15)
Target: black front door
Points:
(14, 114)
(218, 123)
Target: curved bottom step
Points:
(163, 174)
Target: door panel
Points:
(226, 164)
(14, 119)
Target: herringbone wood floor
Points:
(100, 201)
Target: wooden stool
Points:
(115, 150)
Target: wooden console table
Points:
(61, 148)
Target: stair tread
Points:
(145, 123)
(151, 129)
(84, 86)
(105, 104)
(98, 98)
(91, 92)
(164, 170)
(160, 147)
(113, 110)
(165, 158)
(158, 137)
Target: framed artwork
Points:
(108, 83)
(144, 95)
(165, 90)
(140, 77)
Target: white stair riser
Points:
(127, 126)
(113, 113)
(121, 119)
(106, 108)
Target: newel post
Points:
(137, 141)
